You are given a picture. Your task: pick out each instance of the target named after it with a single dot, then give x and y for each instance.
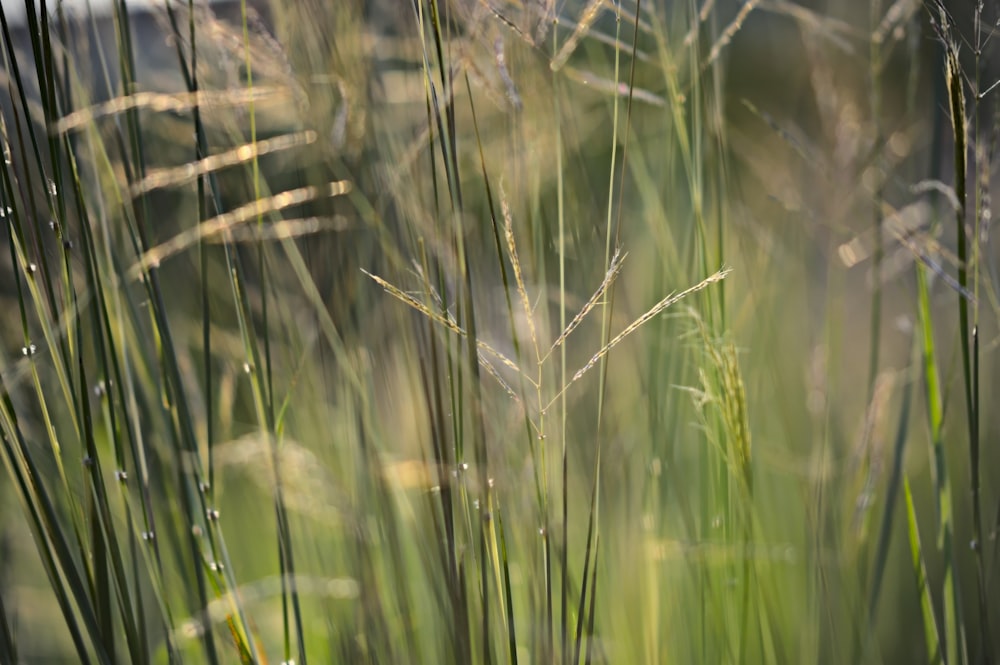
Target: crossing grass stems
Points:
(465, 339)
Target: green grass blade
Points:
(932, 638)
(953, 634)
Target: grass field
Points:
(492, 331)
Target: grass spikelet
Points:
(590, 13)
(174, 177)
(449, 323)
(225, 222)
(156, 102)
(730, 31)
(642, 320)
(522, 291)
(617, 260)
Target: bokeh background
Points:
(807, 146)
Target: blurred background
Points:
(743, 455)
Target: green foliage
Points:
(497, 331)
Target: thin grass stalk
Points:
(290, 603)
(508, 593)
(290, 596)
(738, 419)
(46, 75)
(954, 632)
(100, 582)
(435, 404)
(54, 182)
(16, 89)
(465, 313)
(497, 564)
(472, 600)
(447, 148)
(607, 312)
(535, 442)
(242, 630)
(57, 559)
(505, 281)
(184, 437)
(592, 645)
(681, 100)
(116, 382)
(722, 177)
(201, 150)
(876, 55)
(130, 600)
(189, 71)
(133, 617)
(17, 196)
(586, 579)
(103, 547)
(121, 386)
(593, 531)
(548, 642)
(484, 584)
(99, 547)
(971, 369)
(881, 552)
(475, 386)
(442, 460)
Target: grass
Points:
(499, 332)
